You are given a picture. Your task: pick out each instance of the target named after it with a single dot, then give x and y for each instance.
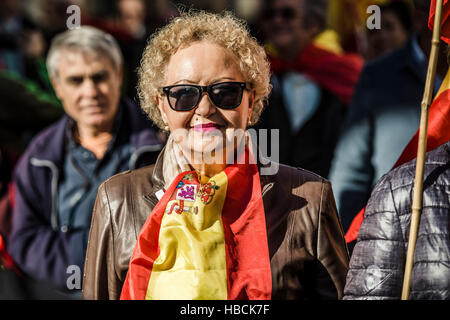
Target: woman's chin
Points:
(205, 153)
(201, 147)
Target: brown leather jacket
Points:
(308, 254)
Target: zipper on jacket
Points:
(54, 187)
(266, 188)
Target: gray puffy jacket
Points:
(377, 263)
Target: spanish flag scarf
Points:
(205, 239)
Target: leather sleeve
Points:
(100, 279)
(332, 250)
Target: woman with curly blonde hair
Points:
(202, 223)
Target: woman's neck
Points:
(209, 170)
(95, 141)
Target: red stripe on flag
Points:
(438, 133)
(5, 259)
(352, 232)
(438, 129)
(247, 251)
(324, 67)
(146, 251)
(445, 23)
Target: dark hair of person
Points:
(402, 11)
(314, 12)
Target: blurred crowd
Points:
(345, 95)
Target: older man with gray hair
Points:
(57, 178)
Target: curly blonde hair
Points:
(222, 29)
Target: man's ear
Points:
(120, 75)
(56, 86)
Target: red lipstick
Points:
(206, 127)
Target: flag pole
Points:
(421, 151)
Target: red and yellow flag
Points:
(205, 239)
(437, 134)
(323, 67)
(438, 118)
(445, 23)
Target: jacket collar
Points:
(157, 179)
(142, 131)
(157, 176)
(50, 144)
(408, 58)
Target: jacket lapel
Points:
(157, 180)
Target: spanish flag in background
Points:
(445, 23)
(5, 259)
(206, 239)
(438, 119)
(323, 61)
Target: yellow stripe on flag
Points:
(329, 40)
(192, 260)
(445, 84)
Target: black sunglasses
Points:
(286, 13)
(185, 97)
